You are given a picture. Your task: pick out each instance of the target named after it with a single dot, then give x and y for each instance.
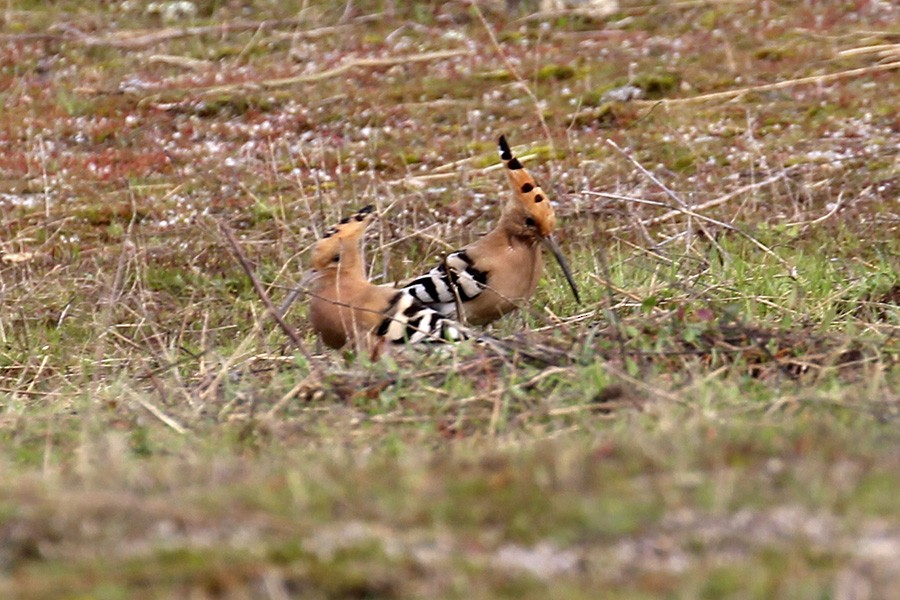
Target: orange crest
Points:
(532, 198)
(349, 231)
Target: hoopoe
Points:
(346, 307)
(495, 274)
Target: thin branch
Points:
(418, 181)
(779, 85)
(792, 271)
(883, 49)
(158, 413)
(134, 40)
(261, 292)
(610, 301)
(836, 207)
(282, 82)
(515, 74)
(681, 203)
(182, 62)
(676, 212)
(307, 386)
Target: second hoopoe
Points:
(346, 308)
(495, 274)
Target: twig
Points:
(883, 49)
(261, 292)
(610, 299)
(777, 85)
(421, 180)
(547, 15)
(400, 419)
(306, 385)
(28, 37)
(620, 374)
(829, 214)
(605, 406)
(270, 84)
(515, 74)
(648, 174)
(681, 203)
(792, 271)
(318, 32)
(676, 212)
(182, 62)
(158, 413)
(496, 406)
(134, 40)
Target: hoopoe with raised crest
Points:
(495, 274)
(346, 308)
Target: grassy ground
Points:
(719, 417)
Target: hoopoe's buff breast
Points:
(500, 271)
(347, 308)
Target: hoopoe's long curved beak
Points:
(309, 277)
(550, 242)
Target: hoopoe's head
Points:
(339, 247)
(530, 215)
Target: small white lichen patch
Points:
(170, 12)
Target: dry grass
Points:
(717, 419)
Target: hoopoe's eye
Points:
(336, 258)
(529, 222)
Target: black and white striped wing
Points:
(407, 321)
(456, 276)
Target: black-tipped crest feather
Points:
(505, 152)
